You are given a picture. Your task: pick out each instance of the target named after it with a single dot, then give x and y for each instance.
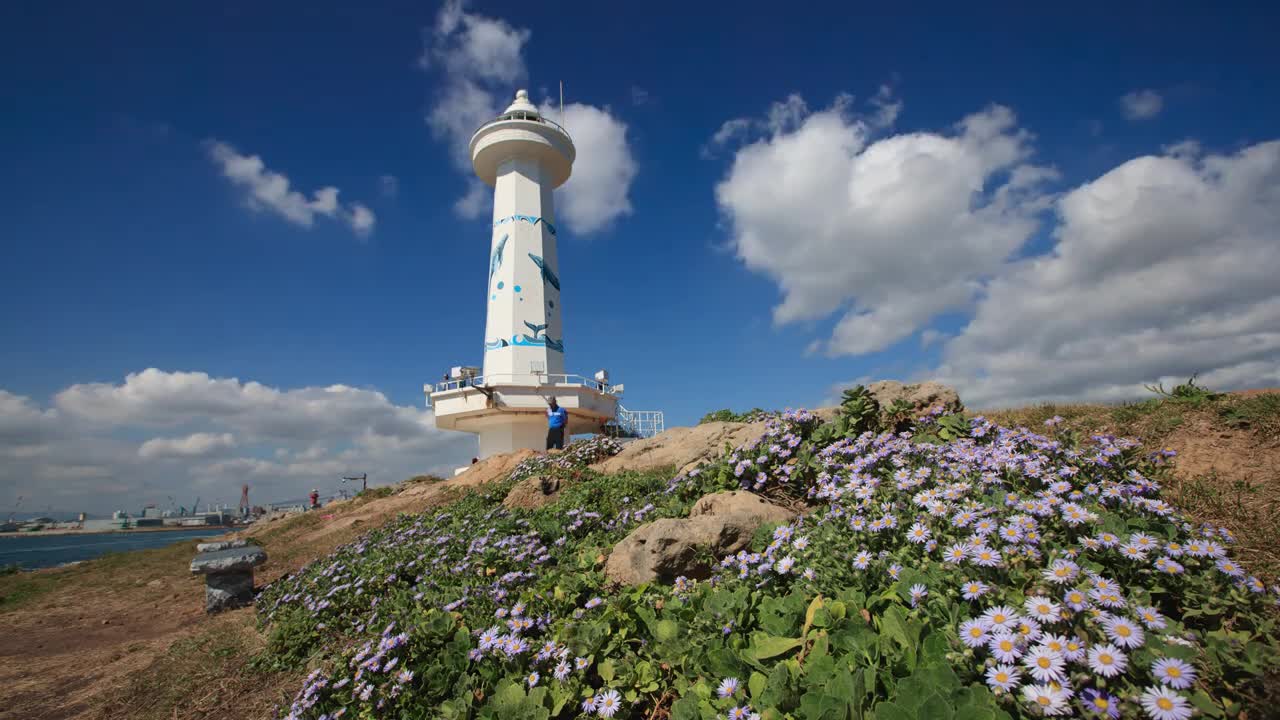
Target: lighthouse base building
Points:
(524, 156)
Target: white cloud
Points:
(1163, 267)
(82, 453)
(890, 231)
(269, 191)
(480, 63)
(1141, 104)
(597, 192)
(201, 444)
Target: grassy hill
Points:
(438, 601)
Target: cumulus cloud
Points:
(889, 231)
(201, 444)
(1141, 104)
(1163, 267)
(269, 191)
(82, 452)
(597, 192)
(480, 64)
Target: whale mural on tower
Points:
(547, 276)
(495, 260)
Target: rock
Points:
(683, 448)
(229, 560)
(155, 584)
(921, 396)
(227, 591)
(533, 492)
(740, 502)
(721, 523)
(220, 545)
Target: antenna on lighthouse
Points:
(562, 105)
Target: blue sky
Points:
(734, 262)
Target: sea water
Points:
(40, 551)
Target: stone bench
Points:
(228, 570)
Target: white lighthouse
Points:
(523, 156)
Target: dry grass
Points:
(209, 675)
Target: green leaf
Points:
(765, 646)
(935, 707)
(890, 711)
(756, 684)
(606, 670)
(1205, 704)
(686, 708)
(666, 630)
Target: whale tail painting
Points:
(547, 276)
(495, 261)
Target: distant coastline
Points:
(117, 531)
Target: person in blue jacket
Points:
(557, 418)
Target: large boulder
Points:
(742, 503)
(682, 448)
(921, 396)
(533, 492)
(720, 524)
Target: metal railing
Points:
(530, 117)
(543, 379)
(640, 423)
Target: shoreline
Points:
(118, 531)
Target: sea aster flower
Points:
(1107, 660)
(974, 589)
(1001, 617)
(1003, 677)
(1004, 646)
(1174, 672)
(973, 633)
(1098, 702)
(608, 703)
(1044, 664)
(1123, 632)
(1042, 608)
(1164, 704)
(1048, 699)
(728, 687)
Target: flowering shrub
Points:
(990, 572)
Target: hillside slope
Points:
(124, 637)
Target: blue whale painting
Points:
(495, 260)
(547, 275)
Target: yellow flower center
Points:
(1006, 646)
(1002, 677)
(1173, 671)
(1044, 663)
(1073, 647)
(998, 619)
(1123, 631)
(1101, 703)
(1042, 609)
(1104, 659)
(1043, 700)
(1164, 703)
(975, 632)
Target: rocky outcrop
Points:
(921, 396)
(741, 503)
(719, 524)
(682, 448)
(533, 492)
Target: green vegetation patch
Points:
(955, 569)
